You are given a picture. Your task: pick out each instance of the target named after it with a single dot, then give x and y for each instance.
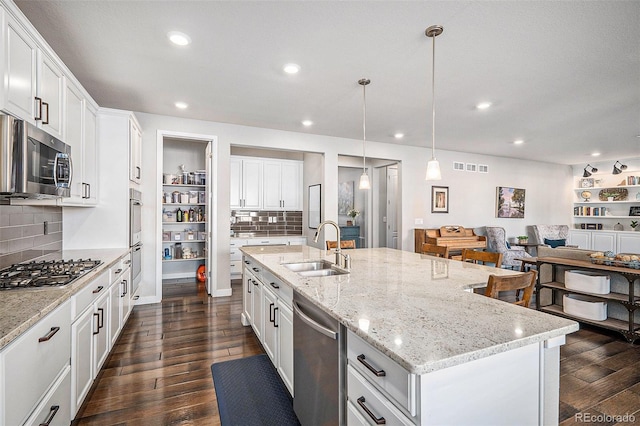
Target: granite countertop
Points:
(20, 309)
(413, 307)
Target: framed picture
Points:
(509, 202)
(586, 183)
(439, 199)
(315, 204)
(345, 197)
(634, 211)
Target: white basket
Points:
(590, 282)
(585, 307)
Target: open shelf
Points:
(610, 323)
(183, 260)
(180, 223)
(619, 297)
(183, 241)
(181, 185)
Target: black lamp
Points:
(587, 173)
(617, 170)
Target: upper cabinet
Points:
(246, 183)
(135, 151)
(80, 133)
(265, 184)
(282, 185)
(33, 80)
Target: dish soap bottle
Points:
(179, 215)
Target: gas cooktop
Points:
(54, 273)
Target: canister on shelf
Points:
(175, 197)
(184, 197)
(178, 251)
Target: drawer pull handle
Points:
(256, 269)
(271, 312)
(275, 316)
(49, 335)
(274, 285)
(378, 373)
(254, 282)
(126, 262)
(52, 413)
(247, 262)
(98, 327)
(248, 286)
(377, 420)
(118, 271)
(98, 290)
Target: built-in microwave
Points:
(33, 164)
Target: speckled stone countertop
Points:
(20, 309)
(413, 307)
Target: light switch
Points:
(418, 221)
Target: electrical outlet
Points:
(418, 221)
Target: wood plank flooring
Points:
(159, 370)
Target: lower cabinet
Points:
(32, 365)
(615, 241)
(55, 410)
(267, 307)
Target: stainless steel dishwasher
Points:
(318, 365)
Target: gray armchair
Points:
(550, 232)
(497, 242)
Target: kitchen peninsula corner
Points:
(411, 314)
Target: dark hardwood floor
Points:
(159, 370)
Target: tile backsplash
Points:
(264, 222)
(22, 236)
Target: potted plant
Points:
(634, 224)
(523, 239)
(353, 213)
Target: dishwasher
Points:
(319, 365)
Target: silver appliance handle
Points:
(55, 170)
(311, 323)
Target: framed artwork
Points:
(345, 197)
(439, 199)
(586, 183)
(634, 211)
(509, 202)
(315, 204)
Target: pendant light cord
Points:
(433, 99)
(364, 125)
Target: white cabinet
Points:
(285, 344)
(135, 151)
(55, 410)
(257, 320)
(246, 183)
(19, 69)
(49, 88)
(270, 312)
(31, 364)
(247, 288)
(615, 241)
(80, 134)
(282, 185)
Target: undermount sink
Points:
(314, 268)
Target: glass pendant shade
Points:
(364, 181)
(433, 170)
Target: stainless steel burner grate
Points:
(55, 273)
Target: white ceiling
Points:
(562, 75)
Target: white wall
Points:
(472, 195)
(312, 174)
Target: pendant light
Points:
(433, 166)
(364, 178)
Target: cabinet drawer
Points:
(55, 408)
(397, 383)
(236, 267)
(30, 366)
(363, 396)
(235, 254)
(118, 269)
(237, 243)
(283, 291)
(89, 294)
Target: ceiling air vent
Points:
(472, 167)
(483, 168)
(458, 166)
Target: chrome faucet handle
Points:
(347, 261)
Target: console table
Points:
(630, 329)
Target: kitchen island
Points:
(469, 359)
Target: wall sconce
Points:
(587, 173)
(618, 170)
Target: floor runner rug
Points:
(250, 393)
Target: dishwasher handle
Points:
(311, 323)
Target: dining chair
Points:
(435, 250)
(525, 281)
(488, 258)
(345, 244)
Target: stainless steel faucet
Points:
(344, 262)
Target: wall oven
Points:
(33, 164)
(135, 237)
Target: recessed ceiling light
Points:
(291, 68)
(595, 154)
(176, 37)
(399, 135)
(483, 105)
(181, 105)
(518, 142)
(307, 123)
